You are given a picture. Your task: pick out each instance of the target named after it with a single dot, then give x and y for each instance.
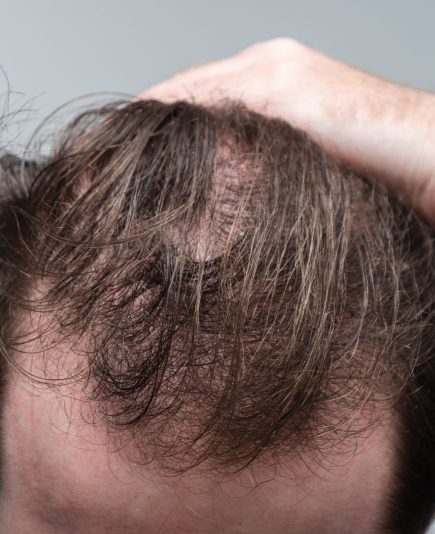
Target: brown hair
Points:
(235, 292)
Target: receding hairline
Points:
(325, 160)
(324, 474)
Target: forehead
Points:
(59, 473)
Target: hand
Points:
(378, 127)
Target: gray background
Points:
(54, 51)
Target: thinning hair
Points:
(232, 293)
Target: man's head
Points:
(209, 325)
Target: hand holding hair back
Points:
(378, 127)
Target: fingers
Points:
(224, 77)
(202, 83)
(205, 90)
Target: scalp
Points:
(231, 292)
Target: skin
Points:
(378, 127)
(61, 477)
